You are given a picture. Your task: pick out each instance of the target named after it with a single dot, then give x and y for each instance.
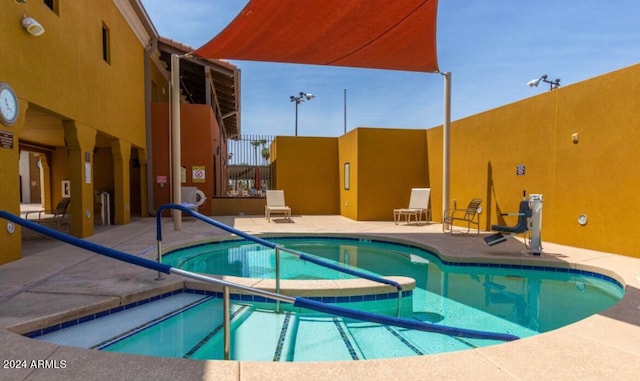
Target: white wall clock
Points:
(8, 105)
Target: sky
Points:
(492, 48)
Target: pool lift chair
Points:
(529, 223)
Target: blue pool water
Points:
(514, 299)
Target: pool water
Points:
(538, 298)
(513, 299)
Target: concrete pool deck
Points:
(54, 281)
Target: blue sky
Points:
(491, 47)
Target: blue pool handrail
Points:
(303, 256)
(296, 301)
(106, 251)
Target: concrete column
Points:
(11, 234)
(45, 183)
(144, 185)
(80, 140)
(121, 152)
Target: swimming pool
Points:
(540, 298)
(516, 299)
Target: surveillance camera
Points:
(533, 82)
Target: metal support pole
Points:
(159, 249)
(446, 136)
(297, 103)
(399, 303)
(227, 328)
(277, 277)
(175, 139)
(345, 111)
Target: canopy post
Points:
(175, 140)
(446, 136)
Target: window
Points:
(52, 4)
(106, 54)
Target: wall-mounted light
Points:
(21, 1)
(552, 84)
(32, 26)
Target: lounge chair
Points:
(276, 205)
(418, 205)
(504, 232)
(470, 216)
(57, 216)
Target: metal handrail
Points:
(296, 301)
(303, 256)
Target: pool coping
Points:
(601, 346)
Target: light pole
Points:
(299, 99)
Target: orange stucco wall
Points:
(384, 164)
(306, 168)
(69, 95)
(390, 163)
(597, 176)
(199, 140)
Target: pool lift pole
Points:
(535, 203)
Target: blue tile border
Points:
(217, 295)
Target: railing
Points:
(296, 301)
(271, 245)
(249, 172)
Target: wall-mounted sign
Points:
(520, 170)
(66, 188)
(6, 139)
(198, 174)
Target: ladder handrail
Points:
(304, 256)
(297, 301)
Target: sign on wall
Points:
(198, 174)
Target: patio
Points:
(53, 281)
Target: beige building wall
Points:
(76, 98)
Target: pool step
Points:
(191, 326)
(268, 336)
(263, 335)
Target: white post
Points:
(446, 136)
(175, 139)
(345, 111)
(535, 203)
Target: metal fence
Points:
(249, 171)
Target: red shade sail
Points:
(377, 34)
